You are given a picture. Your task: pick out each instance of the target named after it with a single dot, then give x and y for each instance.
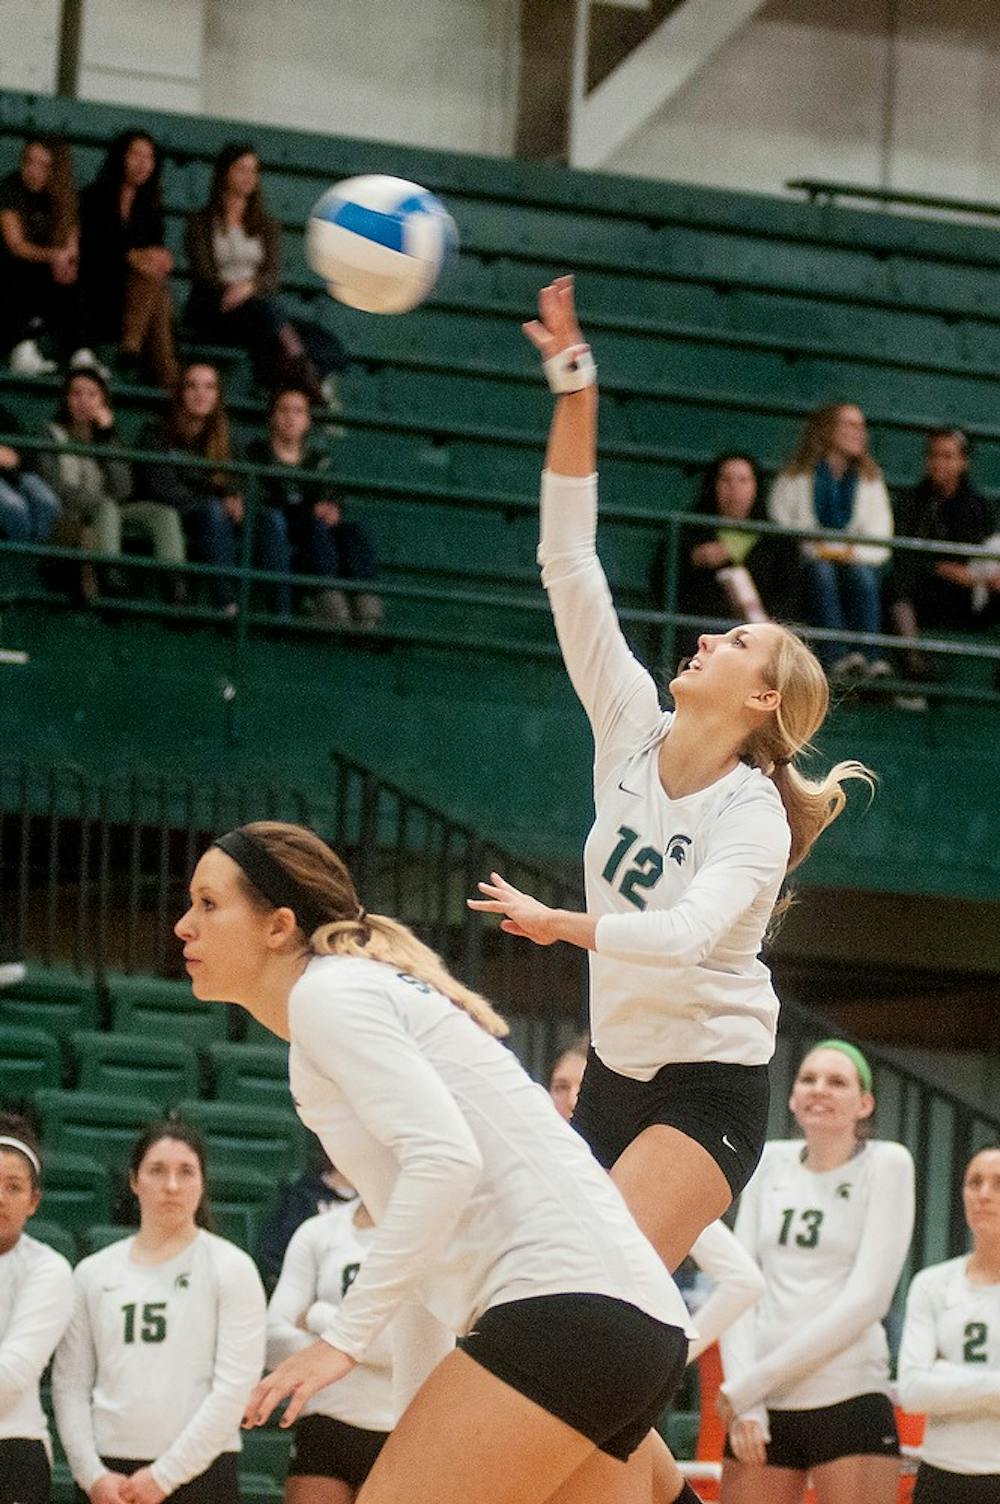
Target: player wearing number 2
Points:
(949, 1358)
(806, 1372)
(166, 1342)
(699, 815)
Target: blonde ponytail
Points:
(812, 804)
(375, 937)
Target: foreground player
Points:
(166, 1342)
(493, 1220)
(807, 1372)
(949, 1358)
(341, 1430)
(700, 814)
(36, 1303)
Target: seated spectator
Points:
(234, 253)
(832, 481)
(28, 507)
(318, 539)
(209, 503)
(931, 590)
(124, 265)
(39, 259)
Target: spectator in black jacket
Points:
(319, 539)
(933, 590)
(39, 258)
(124, 265)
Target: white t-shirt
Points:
(159, 1360)
(831, 1246)
(321, 1263)
(683, 888)
(480, 1192)
(949, 1367)
(36, 1303)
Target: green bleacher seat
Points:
(259, 1488)
(150, 1005)
(56, 1001)
(76, 1188)
(679, 1429)
(166, 1070)
(103, 1234)
(55, 1235)
(90, 1123)
(241, 1136)
(265, 1451)
(29, 1059)
(251, 1073)
(63, 1487)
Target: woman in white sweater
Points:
(949, 1358)
(36, 1302)
(832, 481)
(166, 1343)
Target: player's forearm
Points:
(572, 446)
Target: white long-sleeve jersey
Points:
(36, 1303)
(480, 1192)
(683, 888)
(831, 1246)
(321, 1263)
(738, 1284)
(159, 1360)
(949, 1367)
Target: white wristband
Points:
(571, 370)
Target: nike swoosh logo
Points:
(633, 792)
(725, 1140)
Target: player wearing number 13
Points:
(165, 1344)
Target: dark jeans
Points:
(842, 597)
(307, 545)
(33, 306)
(255, 325)
(212, 538)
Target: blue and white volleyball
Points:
(379, 243)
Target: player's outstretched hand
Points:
(525, 916)
(557, 328)
(300, 1376)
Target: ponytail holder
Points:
(362, 914)
(783, 762)
(571, 370)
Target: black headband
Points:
(271, 879)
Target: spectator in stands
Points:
(949, 1359)
(807, 1371)
(321, 1187)
(318, 539)
(28, 507)
(150, 1385)
(342, 1428)
(567, 1075)
(931, 590)
(124, 265)
(36, 1303)
(832, 481)
(234, 252)
(210, 505)
(39, 259)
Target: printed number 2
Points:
(974, 1347)
(154, 1321)
(813, 1220)
(646, 871)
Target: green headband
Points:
(853, 1054)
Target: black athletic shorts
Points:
(328, 1448)
(601, 1365)
(218, 1484)
(936, 1486)
(864, 1426)
(25, 1476)
(722, 1107)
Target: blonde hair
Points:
(351, 931)
(816, 439)
(811, 804)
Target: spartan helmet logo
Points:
(844, 1190)
(182, 1281)
(677, 849)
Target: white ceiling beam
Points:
(603, 120)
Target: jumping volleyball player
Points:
(700, 814)
(493, 1221)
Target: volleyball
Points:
(379, 243)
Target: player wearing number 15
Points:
(166, 1342)
(807, 1371)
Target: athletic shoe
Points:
(851, 666)
(85, 360)
(880, 668)
(11, 972)
(27, 360)
(915, 703)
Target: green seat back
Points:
(54, 1234)
(29, 1060)
(251, 1073)
(76, 1188)
(166, 1070)
(91, 1123)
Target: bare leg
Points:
(746, 1483)
(857, 1480)
(668, 1480)
(314, 1490)
(673, 1188)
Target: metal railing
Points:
(827, 191)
